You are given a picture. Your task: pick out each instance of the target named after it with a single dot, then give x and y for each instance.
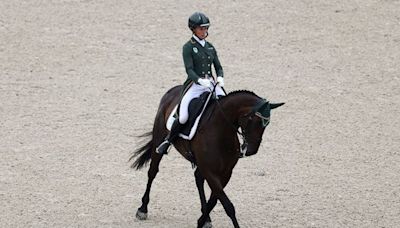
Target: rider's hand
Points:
(205, 82)
(220, 81)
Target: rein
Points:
(243, 146)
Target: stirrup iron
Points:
(163, 147)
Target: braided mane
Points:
(237, 92)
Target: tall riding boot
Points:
(171, 137)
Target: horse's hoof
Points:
(207, 225)
(141, 215)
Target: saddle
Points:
(196, 109)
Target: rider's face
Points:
(201, 32)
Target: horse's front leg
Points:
(202, 222)
(200, 188)
(153, 170)
(229, 208)
(226, 203)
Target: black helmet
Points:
(198, 19)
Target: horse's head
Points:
(254, 123)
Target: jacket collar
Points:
(201, 48)
(201, 42)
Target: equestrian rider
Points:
(198, 56)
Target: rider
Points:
(198, 56)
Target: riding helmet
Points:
(198, 19)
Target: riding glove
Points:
(205, 82)
(220, 81)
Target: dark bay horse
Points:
(215, 149)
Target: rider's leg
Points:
(171, 137)
(193, 92)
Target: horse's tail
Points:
(143, 152)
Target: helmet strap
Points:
(197, 36)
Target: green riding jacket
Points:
(198, 61)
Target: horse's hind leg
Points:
(200, 188)
(153, 170)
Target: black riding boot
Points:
(171, 137)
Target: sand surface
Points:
(80, 79)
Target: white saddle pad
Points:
(171, 120)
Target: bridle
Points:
(247, 117)
(264, 120)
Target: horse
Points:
(215, 149)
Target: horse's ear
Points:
(272, 105)
(261, 106)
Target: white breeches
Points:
(194, 91)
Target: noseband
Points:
(248, 116)
(265, 120)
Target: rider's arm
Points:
(188, 61)
(217, 65)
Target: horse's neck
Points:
(237, 106)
